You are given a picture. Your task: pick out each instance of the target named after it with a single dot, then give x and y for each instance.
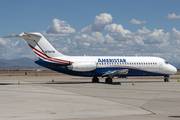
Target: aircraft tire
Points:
(166, 80)
(108, 80)
(95, 80)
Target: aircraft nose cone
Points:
(173, 69)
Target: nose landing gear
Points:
(166, 79)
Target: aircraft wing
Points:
(115, 72)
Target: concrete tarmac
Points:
(76, 98)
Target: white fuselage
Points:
(150, 64)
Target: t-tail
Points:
(41, 47)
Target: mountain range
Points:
(21, 63)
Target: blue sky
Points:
(118, 30)
(36, 15)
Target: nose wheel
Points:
(166, 79)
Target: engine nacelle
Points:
(82, 66)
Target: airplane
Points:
(95, 66)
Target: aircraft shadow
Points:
(68, 83)
(74, 82)
(114, 83)
(6, 83)
(141, 81)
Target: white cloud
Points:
(156, 37)
(175, 38)
(115, 40)
(138, 41)
(114, 28)
(61, 44)
(120, 41)
(11, 50)
(172, 16)
(175, 34)
(109, 39)
(118, 32)
(59, 28)
(98, 23)
(143, 31)
(86, 29)
(94, 40)
(133, 21)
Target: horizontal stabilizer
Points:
(24, 35)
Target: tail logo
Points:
(47, 58)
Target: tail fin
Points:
(41, 47)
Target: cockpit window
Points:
(166, 62)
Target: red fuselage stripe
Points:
(40, 54)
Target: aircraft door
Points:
(160, 65)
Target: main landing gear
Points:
(108, 80)
(96, 80)
(166, 79)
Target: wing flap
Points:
(116, 72)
